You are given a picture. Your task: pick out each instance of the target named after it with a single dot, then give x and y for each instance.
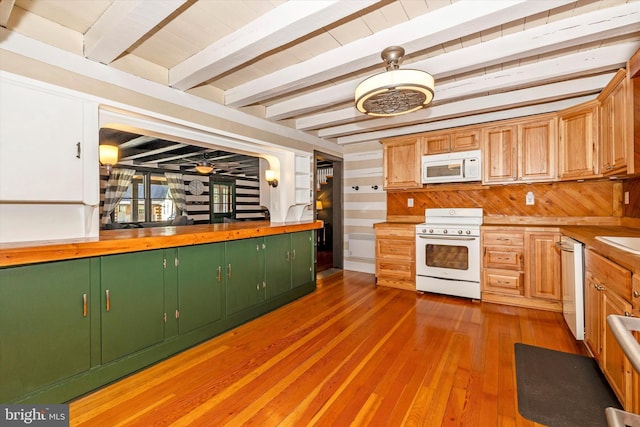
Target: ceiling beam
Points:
(123, 24)
(466, 120)
(280, 26)
(597, 25)
(566, 67)
(6, 6)
(513, 99)
(431, 29)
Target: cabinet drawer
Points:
(396, 249)
(609, 274)
(491, 238)
(503, 281)
(395, 269)
(503, 257)
(407, 231)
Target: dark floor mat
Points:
(561, 389)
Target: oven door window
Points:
(447, 256)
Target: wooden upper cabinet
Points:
(523, 151)
(463, 139)
(614, 135)
(500, 154)
(537, 150)
(578, 142)
(436, 143)
(402, 162)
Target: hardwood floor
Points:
(350, 353)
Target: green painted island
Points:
(76, 315)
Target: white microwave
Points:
(452, 167)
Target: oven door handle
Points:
(464, 239)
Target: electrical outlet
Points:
(626, 197)
(410, 202)
(530, 199)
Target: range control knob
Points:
(459, 231)
(468, 231)
(431, 231)
(424, 230)
(445, 231)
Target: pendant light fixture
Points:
(204, 167)
(394, 91)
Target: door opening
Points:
(328, 208)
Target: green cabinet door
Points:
(200, 280)
(302, 268)
(278, 259)
(132, 302)
(244, 264)
(44, 325)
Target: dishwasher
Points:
(572, 256)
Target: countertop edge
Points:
(133, 240)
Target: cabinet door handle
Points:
(219, 273)
(108, 295)
(229, 271)
(78, 150)
(84, 305)
(294, 254)
(636, 294)
(288, 258)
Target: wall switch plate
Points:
(530, 199)
(410, 202)
(626, 197)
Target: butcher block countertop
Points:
(141, 239)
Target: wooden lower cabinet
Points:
(521, 266)
(45, 324)
(132, 300)
(607, 291)
(200, 285)
(69, 327)
(395, 255)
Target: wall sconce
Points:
(270, 176)
(319, 205)
(108, 156)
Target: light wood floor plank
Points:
(350, 353)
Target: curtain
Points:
(176, 188)
(119, 181)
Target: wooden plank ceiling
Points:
(297, 63)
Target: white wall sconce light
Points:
(108, 156)
(270, 176)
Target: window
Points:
(147, 199)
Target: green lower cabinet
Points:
(244, 266)
(132, 313)
(200, 280)
(303, 265)
(44, 325)
(278, 258)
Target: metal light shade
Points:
(108, 155)
(394, 91)
(204, 168)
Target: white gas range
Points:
(448, 252)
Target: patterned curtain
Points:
(176, 191)
(119, 181)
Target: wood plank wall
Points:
(570, 199)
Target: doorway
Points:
(328, 207)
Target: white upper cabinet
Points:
(48, 145)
